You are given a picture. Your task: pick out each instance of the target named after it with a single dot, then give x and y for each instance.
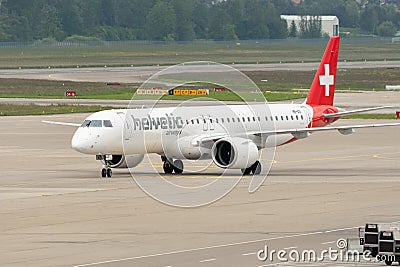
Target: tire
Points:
(388, 263)
(109, 173)
(168, 168)
(103, 173)
(178, 166)
(256, 168)
(246, 171)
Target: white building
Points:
(329, 24)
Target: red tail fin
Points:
(323, 87)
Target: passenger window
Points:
(266, 118)
(243, 119)
(95, 123)
(107, 123)
(198, 122)
(259, 119)
(297, 117)
(276, 118)
(282, 118)
(287, 118)
(222, 120)
(227, 119)
(233, 119)
(248, 119)
(291, 117)
(302, 117)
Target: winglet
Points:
(323, 87)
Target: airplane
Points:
(232, 137)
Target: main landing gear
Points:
(254, 169)
(106, 172)
(170, 165)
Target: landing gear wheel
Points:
(178, 166)
(388, 263)
(256, 168)
(103, 173)
(168, 167)
(109, 173)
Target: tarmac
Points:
(56, 211)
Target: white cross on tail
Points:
(326, 79)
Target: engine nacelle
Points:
(124, 161)
(234, 153)
(186, 148)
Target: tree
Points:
(369, 19)
(386, 28)
(71, 17)
(293, 29)
(49, 25)
(161, 22)
(184, 27)
(310, 27)
(221, 27)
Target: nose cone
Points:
(80, 142)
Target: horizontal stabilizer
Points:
(344, 113)
(62, 123)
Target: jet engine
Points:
(234, 153)
(124, 161)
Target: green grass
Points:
(56, 89)
(137, 54)
(347, 79)
(278, 81)
(24, 110)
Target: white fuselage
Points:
(171, 130)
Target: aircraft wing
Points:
(344, 113)
(304, 132)
(62, 123)
(299, 133)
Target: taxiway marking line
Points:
(216, 246)
(329, 242)
(250, 253)
(208, 260)
(290, 248)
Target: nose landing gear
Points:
(106, 172)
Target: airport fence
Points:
(289, 41)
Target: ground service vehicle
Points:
(389, 246)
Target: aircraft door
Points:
(127, 126)
(307, 115)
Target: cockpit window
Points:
(96, 123)
(107, 123)
(93, 123)
(86, 123)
